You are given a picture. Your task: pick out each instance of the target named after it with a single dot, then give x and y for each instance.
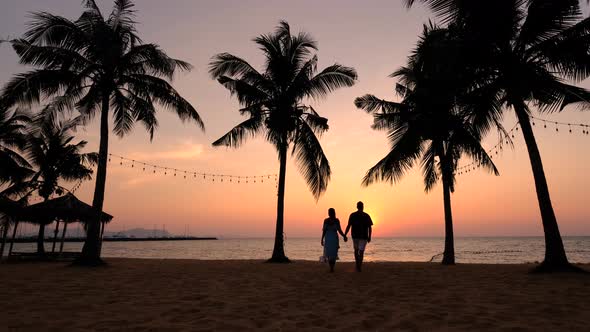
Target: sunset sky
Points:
(375, 37)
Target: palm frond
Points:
(311, 160)
(235, 137)
(406, 149)
(429, 169)
(330, 79)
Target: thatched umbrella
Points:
(66, 208)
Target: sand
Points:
(172, 295)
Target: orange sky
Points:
(375, 37)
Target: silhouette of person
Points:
(330, 238)
(361, 223)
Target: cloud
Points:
(137, 181)
(188, 151)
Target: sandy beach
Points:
(171, 295)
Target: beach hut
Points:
(65, 209)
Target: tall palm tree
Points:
(528, 50)
(97, 64)
(429, 125)
(274, 99)
(55, 157)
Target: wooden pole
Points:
(55, 235)
(63, 237)
(13, 236)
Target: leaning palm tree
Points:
(97, 65)
(56, 158)
(429, 125)
(274, 99)
(527, 51)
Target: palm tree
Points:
(55, 157)
(273, 101)
(429, 125)
(527, 51)
(97, 64)
(13, 166)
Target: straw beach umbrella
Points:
(67, 208)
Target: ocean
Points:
(491, 250)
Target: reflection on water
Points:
(468, 250)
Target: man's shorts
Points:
(359, 244)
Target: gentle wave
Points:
(499, 250)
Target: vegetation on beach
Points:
(431, 123)
(524, 53)
(97, 65)
(485, 60)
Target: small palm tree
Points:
(428, 125)
(55, 157)
(274, 103)
(13, 166)
(97, 65)
(527, 50)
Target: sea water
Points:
(495, 250)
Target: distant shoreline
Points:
(122, 239)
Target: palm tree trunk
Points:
(5, 227)
(41, 240)
(13, 236)
(55, 235)
(91, 250)
(278, 253)
(555, 257)
(41, 235)
(449, 253)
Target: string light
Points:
(124, 161)
(499, 148)
(570, 126)
(496, 149)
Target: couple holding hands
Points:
(360, 223)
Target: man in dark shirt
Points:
(361, 223)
